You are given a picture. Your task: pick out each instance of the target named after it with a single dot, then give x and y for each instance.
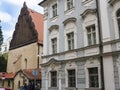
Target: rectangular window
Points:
(9, 83)
(70, 39)
(93, 77)
(53, 78)
(69, 4)
(91, 35)
(54, 45)
(54, 10)
(71, 78)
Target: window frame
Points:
(69, 4)
(54, 10)
(93, 75)
(53, 84)
(91, 34)
(118, 20)
(70, 77)
(54, 45)
(70, 40)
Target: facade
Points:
(26, 47)
(6, 80)
(81, 45)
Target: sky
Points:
(9, 12)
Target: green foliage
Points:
(3, 62)
(1, 36)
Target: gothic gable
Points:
(25, 32)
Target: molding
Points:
(112, 1)
(87, 11)
(83, 48)
(53, 27)
(72, 19)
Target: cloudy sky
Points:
(9, 12)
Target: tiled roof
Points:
(7, 75)
(37, 18)
(28, 73)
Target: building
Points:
(5, 46)
(26, 47)
(81, 45)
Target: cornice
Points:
(87, 11)
(72, 19)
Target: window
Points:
(71, 78)
(25, 63)
(69, 4)
(54, 10)
(18, 84)
(53, 78)
(93, 77)
(70, 40)
(54, 45)
(118, 20)
(8, 83)
(91, 35)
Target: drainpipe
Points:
(100, 45)
(38, 56)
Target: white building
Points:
(5, 46)
(76, 56)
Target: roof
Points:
(28, 73)
(7, 75)
(37, 18)
(42, 2)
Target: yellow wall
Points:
(6, 83)
(19, 77)
(29, 52)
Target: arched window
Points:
(118, 19)
(25, 63)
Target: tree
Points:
(3, 62)
(1, 36)
(3, 58)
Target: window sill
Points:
(53, 18)
(86, 2)
(93, 89)
(52, 88)
(70, 10)
(71, 88)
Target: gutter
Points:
(100, 45)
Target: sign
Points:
(3, 75)
(35, 72)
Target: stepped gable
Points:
(28, 29)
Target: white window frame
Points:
(118, 65)
(93, 75)
(70, 66)
(54, 44)
(91, 63)
(53, 34)
(70, 27)
(70, 40)
(115, 6)
(54, 10)
(90, 19)
(92, 39)
(74, 77)
(56, 78)
(51, 11)
(66, 8)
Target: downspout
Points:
(100, 45)
(38, 59)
